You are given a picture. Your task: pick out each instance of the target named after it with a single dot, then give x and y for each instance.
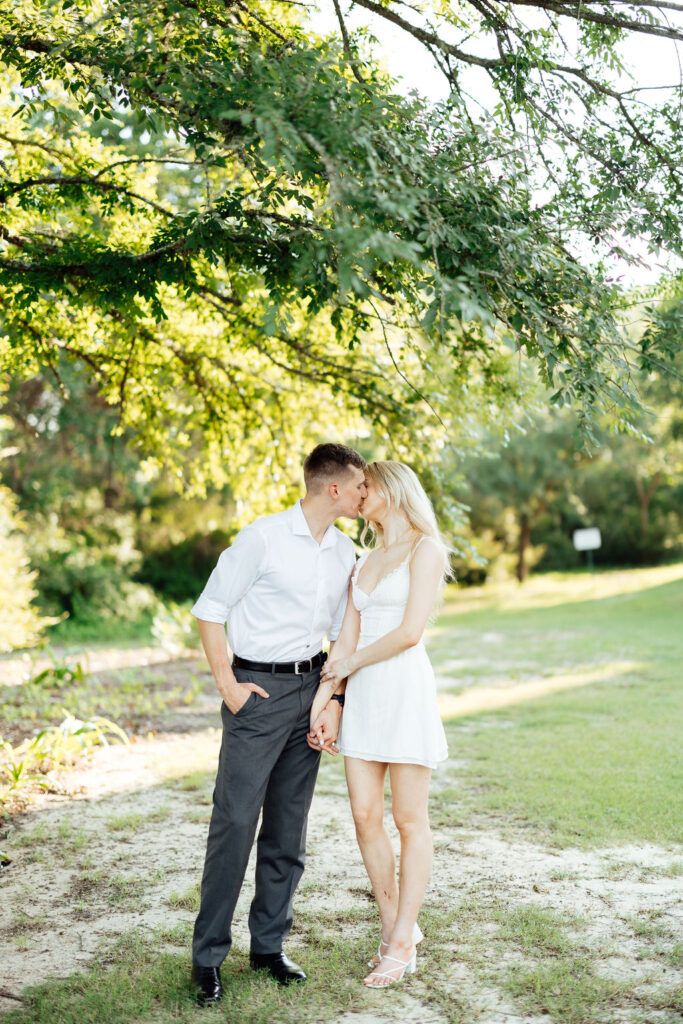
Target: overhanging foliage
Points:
(283, 243)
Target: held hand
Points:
(235, 699)
(324, 730)
(336, 670)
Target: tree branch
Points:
(12, 188)
(581, 12)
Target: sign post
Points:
(588, 540)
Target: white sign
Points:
(588, 539)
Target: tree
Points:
(662, 461)
(519, 479)
(295, 236)
(605, 154)
(62, 448)
(532, 488)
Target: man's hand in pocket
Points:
(237, 696)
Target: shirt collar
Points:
(300, 527)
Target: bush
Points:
(180, 571)
(20, 622)
(85, 571)
(30, 765)
(174, 628)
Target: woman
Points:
(390, 719)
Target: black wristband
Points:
(339, 697)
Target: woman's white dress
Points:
(390, 713)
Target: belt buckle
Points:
(297, 670)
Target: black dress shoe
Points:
(278, 966)
(206, 984)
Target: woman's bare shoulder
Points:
(429, 553)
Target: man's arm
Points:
(215, 646)
(325, 712)
(325, 717)
(235, 573)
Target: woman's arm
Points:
(343, 646)
(426, 572)
(347, 640)
(325, 713)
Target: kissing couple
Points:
(288, 581)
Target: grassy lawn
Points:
(561, 621)
(598, 764)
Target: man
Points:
(281, 586)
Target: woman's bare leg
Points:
(365, 780)
(410, 795)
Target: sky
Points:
(652, 61)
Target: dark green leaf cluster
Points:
(234, 224)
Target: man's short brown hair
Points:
(329, 460)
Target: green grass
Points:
(598, 764)
(23, 922)
(70, 845)
(185, 901)
(148, 981)
(558, 621)
(197, 782)
(96, 886)
(567, 989)
(125, 823)
(538, 931)
(561, 979)
(129, 696)
(102, 630)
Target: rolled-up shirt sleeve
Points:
(236, 571)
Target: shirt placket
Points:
(318, 592)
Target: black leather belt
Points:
(282, 667)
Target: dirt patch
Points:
(17, 668)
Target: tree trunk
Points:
(524, 533)
(644, 498)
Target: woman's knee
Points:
(367, 817)
(409, 823)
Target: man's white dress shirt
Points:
(279, 590)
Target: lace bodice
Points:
(381, 610)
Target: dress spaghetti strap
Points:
(359, 561)
(412, 553)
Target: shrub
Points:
(85, 571)
(20, 622)
(173, 628)
(28, 766)
(179, 571)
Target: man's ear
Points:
(333, 490)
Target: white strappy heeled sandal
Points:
(377, 958)
(382, 979)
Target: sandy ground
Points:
(138, 824)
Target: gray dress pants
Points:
(264, 763)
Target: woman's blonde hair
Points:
(403, 492)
